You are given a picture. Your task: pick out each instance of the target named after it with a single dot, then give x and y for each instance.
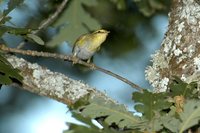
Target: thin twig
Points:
(48, 21)
(70, 58)
(52, 17)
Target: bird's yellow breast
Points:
(96, 41)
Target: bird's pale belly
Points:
(83, 53)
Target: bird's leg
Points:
(75, 59)
(89, 60)
(92, 67)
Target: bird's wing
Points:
(79, 42)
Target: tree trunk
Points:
(179, 54)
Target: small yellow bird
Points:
(86, 45)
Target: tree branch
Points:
(52, 17)
(70, 58)
(44, 82)
(48, 21)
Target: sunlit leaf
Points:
(149, 103)
(170, 122)
(191, 115)
(36, 39)
(88, 128)
(109, 112)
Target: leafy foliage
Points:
(167, 112)
(8, 74)
(149, 7)
(12, 4)
(13, 30)
(170, 122)
(36, 39)
(88, 128)
(111, 113)
(190, 116)
(24, 32)
(178, 87)
(72, 22)
(150, 103)
(172, 112)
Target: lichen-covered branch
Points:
(70, 58)
(180, 51)
(42, 81)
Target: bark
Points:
(42, 81)
(179, 54)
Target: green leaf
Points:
(72, 21)
(2, 59)
(161, 123)
(149, 126)
(36, 39)
(4, 79)
(149, 7)
(179, 87)
(191, 115)
(10, 71)
(149, 102)
(12, 4)
(109, 112)
(89, 128)
(7, 73)
(169, 122)
(13, 30)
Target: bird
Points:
(88, 44)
